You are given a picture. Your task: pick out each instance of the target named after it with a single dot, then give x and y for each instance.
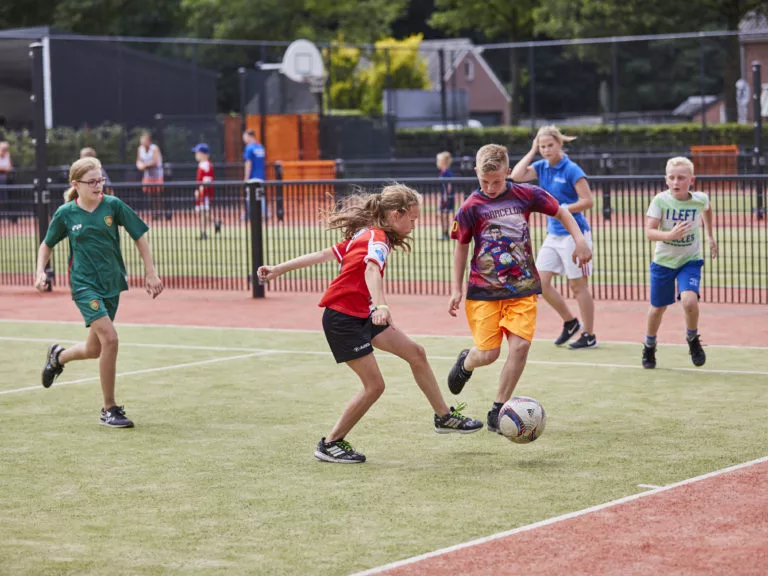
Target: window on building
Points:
(469, 69)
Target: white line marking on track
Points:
(557, 519)
(134, 372)
(467, 337)
(651, 486)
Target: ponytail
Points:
(70, 194)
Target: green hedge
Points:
(423, 142)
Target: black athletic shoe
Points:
(569, 330)
(217, 226)
(457, 377)
(455, 421)
(698, 357)
(493, 422)
(339, 451)
(649, 356)
(585, 341)
(115, 418)
(52, 368)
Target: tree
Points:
(594, 18)
(502, 20)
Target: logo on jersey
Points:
(455, 227)
(108, 220)
(94, 305)
(76, 227)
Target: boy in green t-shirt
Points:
(674, 222)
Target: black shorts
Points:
(349, 336)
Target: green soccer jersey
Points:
(95, 262)
(665, 207)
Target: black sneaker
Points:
(455, 421)
(52, 368)
(217, 226)
(585, 341)
(203, 236)
(493, 421)
(457, 377)
(698, 357)
(569, 330)
(649, 356)
(115, 418)
(339, 451)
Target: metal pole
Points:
(532, 89)
(42, 194)
(702, 70)
(243, 99)
(263, 100)
(255, 189)
(615, 95)
(443, 104)
(757, 159)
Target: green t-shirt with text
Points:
(95, 260)
(665, 207)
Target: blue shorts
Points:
(688, 277)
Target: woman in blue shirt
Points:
(566, 181)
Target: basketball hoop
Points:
(302, 62)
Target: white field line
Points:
(134, 372)
(557, 519)
(651, 486)
(383, 355)
(468, 337)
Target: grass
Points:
(218, 476)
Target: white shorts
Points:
(556, 255)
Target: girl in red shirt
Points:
(357, 319)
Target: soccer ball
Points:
(505, 258)
(522, 420)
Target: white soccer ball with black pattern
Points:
(522, 420)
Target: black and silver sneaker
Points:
(649, 356)
(457, 377)
(584, 342)
(698, 356)
(569, 330)
(217, 226)
(455, 421)
(52, 368)
(493, 421)
(115, 418)
(339, 451)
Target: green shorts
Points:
(93, 308)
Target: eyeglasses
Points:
(92, 183)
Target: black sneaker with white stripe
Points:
(570, 329)
(584, 342)
(493, 421)
(458, 376)
(456, 422)
(115, 418)
(698, 356)
(339, 451)
(52, 368)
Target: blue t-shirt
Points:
(446, 174)
(255, 153)
(560, 181)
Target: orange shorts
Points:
(491, 320)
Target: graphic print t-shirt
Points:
(348, 293)
(502, 264)
(665, 207)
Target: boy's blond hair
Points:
(445, 157)
(679, 161)
(492, 157)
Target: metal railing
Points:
(287, 225)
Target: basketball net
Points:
(316, 84)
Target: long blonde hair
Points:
(554, 132)
(77, 171)
(370, 210)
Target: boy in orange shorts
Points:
(503, 280)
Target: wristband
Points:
(380, 306)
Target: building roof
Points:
(456, 49)
(692, 105)
(753, 27)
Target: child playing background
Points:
(674, 221)
(90, 221)
(357, 319)
(204, 194)
(447, 196)
(502, 288)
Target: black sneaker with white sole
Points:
(339, 451)
(649, 356)
(698, 356)
(493, 421)
(52, 367)
(456, 422)
(584, 342)
(458, 377)
(115, 418)
(569, 331)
